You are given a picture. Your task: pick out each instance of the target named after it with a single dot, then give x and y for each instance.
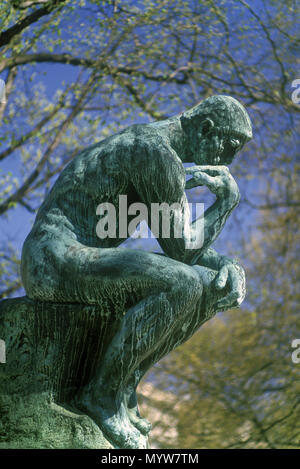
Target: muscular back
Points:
(127, 163)
(138, 162)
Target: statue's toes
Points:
(113, 420)
(143, 425)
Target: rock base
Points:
(51, 352)
(37, 422)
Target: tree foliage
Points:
(235, 382)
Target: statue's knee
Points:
(187, 285)
(39, 273)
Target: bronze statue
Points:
(162, 299)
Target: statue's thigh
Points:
(136, 265)
(140, 273)
(125, 275)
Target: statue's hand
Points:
(231, 276)
(218, 179)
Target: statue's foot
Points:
(131, 404)
(112, 419)
(142, 424)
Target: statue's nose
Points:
(228, 154)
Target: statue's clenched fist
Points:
(231, 276)
(218, 179)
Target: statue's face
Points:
(214, 136)
(231, 146)
(215, 147)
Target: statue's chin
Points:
(203, 160)
(200, 160)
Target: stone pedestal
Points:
(51, 351)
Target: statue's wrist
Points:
(230, 197)
(229, 193)
(225, 205)
(227, 261)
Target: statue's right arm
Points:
(220, 182)
(160, 178)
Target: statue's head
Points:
(215, 130)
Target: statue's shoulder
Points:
(152, 156)
(152, 138)
(135, 147)
(136, 137)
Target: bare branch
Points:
(36, 129)
(11, 289)
(272, 206)
(271, 42)
(20, 193)
(6, 36)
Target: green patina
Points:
(98, 316)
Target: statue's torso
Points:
(99, 174)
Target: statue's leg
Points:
(158, 293)
(131, 403)
(171, 292)
(180, 335)
(146, 327)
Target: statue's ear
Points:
(206, 126)
(185, 122)
(197, 122)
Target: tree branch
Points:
(6, 36)
(19, 194)
(36, 129)
(11, 289)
